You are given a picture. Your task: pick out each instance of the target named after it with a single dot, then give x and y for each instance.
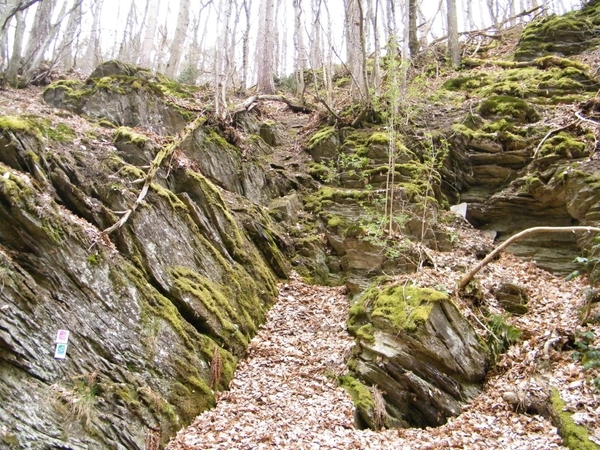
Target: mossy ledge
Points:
(400, 307)
(575, 437)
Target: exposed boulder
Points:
(123, 95)
(420, 352)
(512, 297)
(564, 35)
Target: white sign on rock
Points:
(62, 339)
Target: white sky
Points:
(114, 14)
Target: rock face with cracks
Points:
(421, 354)
(159, 311)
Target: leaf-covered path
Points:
(285, 396)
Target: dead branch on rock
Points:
(156, 163)
(585, 119)
(250, 102)
(535, 230)
(550, 133)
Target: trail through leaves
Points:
(285, 396)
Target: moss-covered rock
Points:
(508, 107)
(563, 35)
(125, 95)
(417, 348)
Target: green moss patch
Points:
(403, 308)
(564, 144)
(508, 107)
(320, 136)
(567, 34)
(360, 394)
(575, 437)
(126, 134)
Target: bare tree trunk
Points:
(493, 11)
(66, 51)
(93, 54)
(14, 64)
(300, 60)
(247, 5)
(32, 66)
(40, 28)
(356, 51)
(222, 63)
(373, 13)
(266, 48)
(413, 39)
(149, 34)
(181, 29)
(453, 44)
(11, 7)
(469, 14)
(316, 38)
(126, 48)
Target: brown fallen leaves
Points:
(284, 395)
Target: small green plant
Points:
(79, 402)
(588, 265)
(588, 354)
(502, 335)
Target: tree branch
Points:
(294, 106)
(154, 166)
(465, 280)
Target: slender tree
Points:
(151, 13)
(453, 44)
(413, 39)
(265, 57)
(66, 52)
(301, 54)
(14, 63)
(33, 63)
(356, 49)
(181, 29)
(246, 6)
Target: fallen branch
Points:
(156, 163)
(535, 230)
(550, 133)
(250, 101)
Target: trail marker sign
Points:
(62, 340)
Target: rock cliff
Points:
(158, 311)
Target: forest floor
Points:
(285, 395)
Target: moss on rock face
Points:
(360, 394)
(128, 135)
(400, 307)
(566, 34)
(508, 107)
(575, 436)
(564, 144)
(405, 307)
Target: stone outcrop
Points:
(160, 310)
(122, 95)
(419, 351)
(564, 35)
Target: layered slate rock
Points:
(419, 352)
(564, 35)
(123, 95)
(159, 311)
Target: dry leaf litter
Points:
(284, 394)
